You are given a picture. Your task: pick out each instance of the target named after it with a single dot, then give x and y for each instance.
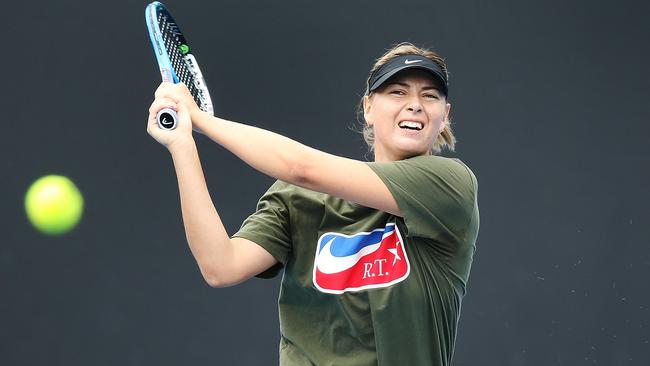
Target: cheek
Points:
(383, 123)
(385, 114)
(438, 114)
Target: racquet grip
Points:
(167, 119)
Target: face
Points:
(407, 113)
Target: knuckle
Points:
(161, 88)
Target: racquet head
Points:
(176, 62)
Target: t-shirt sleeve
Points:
(269, 226)
(436, 195)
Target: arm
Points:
(288, 160)
(222, 261)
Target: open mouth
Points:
(411, 125)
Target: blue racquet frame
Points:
(191, 73)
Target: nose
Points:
(414, 107)
(414, 104)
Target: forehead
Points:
(415, 76)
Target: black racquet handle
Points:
(167, 118)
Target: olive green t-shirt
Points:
(385, 290)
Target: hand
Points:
(170, 138)
(179, 94)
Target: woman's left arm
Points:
(288, 160)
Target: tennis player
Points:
(376, 255)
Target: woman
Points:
(376, 256)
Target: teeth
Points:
(411, 124)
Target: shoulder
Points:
(292, 195)
(439, 163)
(421, 169)
(283, 189)
(431, 189)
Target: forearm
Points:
(292, 162)
(268, 152)
(206, 235)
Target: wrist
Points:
(198, 117)
(181, 145)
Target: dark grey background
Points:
(550, 108)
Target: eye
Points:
(398, 92)
(431, 96)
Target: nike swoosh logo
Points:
(165, 122)
(327, 263)
(411, 61)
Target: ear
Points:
(445, 120)
(367, 104)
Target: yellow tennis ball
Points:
(54, 204)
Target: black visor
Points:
(404, 62)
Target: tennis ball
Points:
(53, 204)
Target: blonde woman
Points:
(376, 255)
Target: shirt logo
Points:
(411, 61)
(361, 261)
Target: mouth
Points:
(411, 125)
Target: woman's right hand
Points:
(170, 138)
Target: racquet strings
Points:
(169, 31)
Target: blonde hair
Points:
(446, 138)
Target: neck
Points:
(380, 155)
(383, 156)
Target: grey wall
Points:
(549, 104)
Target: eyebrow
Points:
(428, 87)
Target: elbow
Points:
(218, 283)
(299, 172)
(214, 283)
(216, 267)
(213, 279)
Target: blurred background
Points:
(549, 106)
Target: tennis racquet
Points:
(176, 62)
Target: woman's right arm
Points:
(223, 261)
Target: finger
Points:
(163, 102)
(159, 89)
(169, 91)
(183, 114)
(183, 88)
(162, 88)
(177, 91)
